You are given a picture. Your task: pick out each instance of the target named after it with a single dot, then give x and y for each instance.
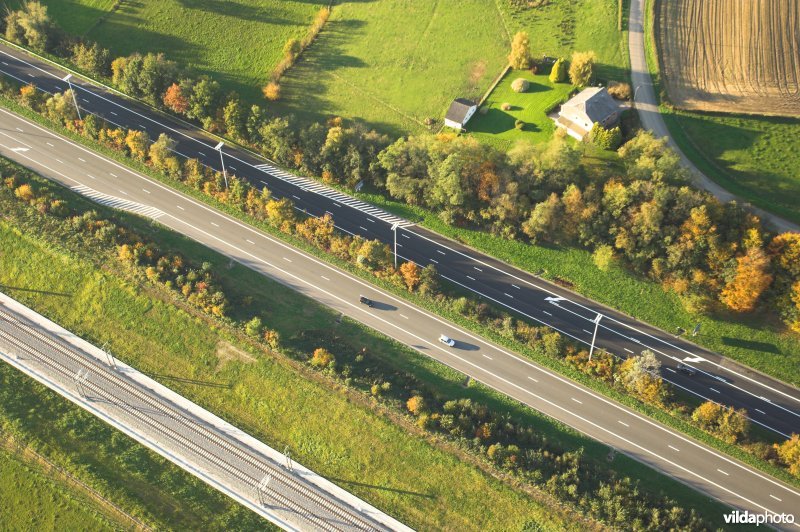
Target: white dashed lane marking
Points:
(674, 448)
(250, 241)
(623, 423)
(470, 278)
(324, 277)
(774, 497)
(723, 472)
(215, 224)
(181, 208)
(579, 402)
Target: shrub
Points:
(519, 124)
(558, 74)
(416, 405)
(505, 106)
(253, 327)
(607, 139)
(272, 91)
(322, 358)
(619, 90)
(603, 257)
(520, 85)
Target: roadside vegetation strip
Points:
(441, 309)
(142, 483)
(364, 363)
(34, 499)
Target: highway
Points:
(770, 403)
(255, 475)
(623, 429)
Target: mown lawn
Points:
(494, 125)
(756, 158)
(425, 487)
(31, 500)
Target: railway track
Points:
(269, 480)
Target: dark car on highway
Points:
(687, 370)
(365, 300)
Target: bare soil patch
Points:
(227, 352)
(731, 56)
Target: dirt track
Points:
(731, 55)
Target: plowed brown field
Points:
(738, 56)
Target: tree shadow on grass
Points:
(184, 380)
(752, 345)
(384, 488)
(44, 292)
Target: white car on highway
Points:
(446, 340)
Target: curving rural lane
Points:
(646, 104)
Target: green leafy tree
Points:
(234, 116)
(31, 26)
(204, 97)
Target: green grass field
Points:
(563, 26)
(75, 16)
(756, 158)
(394, 63)
(32, 500)
(497, 126)
(237, 42)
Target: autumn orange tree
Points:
(752, 277)
(410, 272)
(175, 100)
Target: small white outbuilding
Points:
(459, 113)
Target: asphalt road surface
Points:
(769, 403)
(625, 430)
(206, 446)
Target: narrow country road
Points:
(646, 103)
